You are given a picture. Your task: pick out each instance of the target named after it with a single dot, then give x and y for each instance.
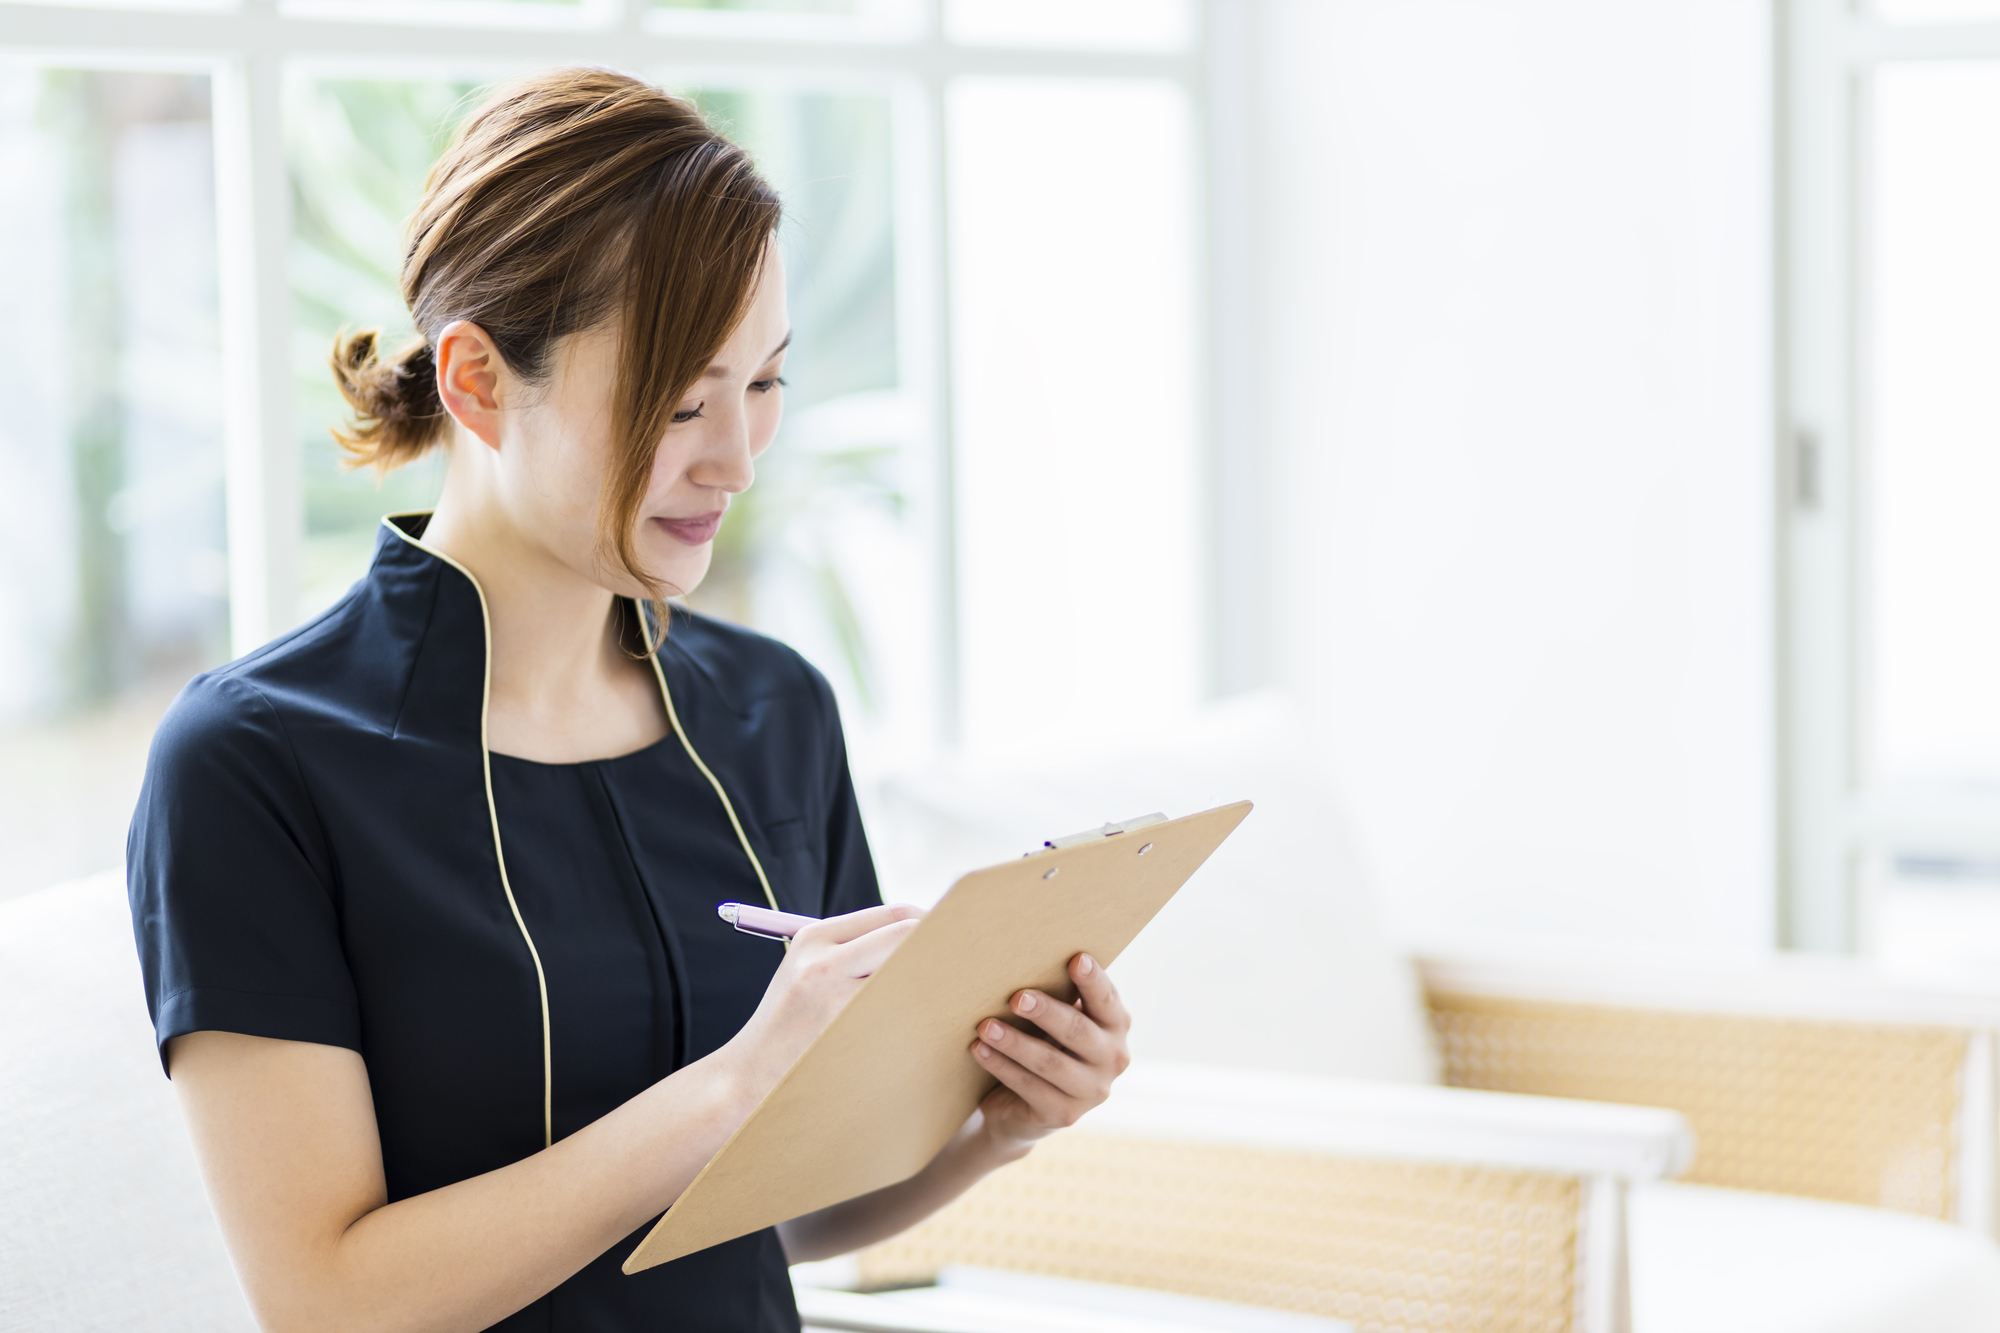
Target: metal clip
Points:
(1104, 831)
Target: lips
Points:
(696, 531)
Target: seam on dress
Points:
(179, 991)
(416, 663)
(674, 721)
(677, 981)
(493, 816)
(299, 775)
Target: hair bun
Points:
(397, 412)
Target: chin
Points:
(681, 570)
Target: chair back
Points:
(1819, 1078)
(1242, 1187)
(1272, 956)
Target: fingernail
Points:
(993, 1031)
(1024, 1003)
(982, 1050)
(1083, 964)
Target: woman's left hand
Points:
(1048, 1080)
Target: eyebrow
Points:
(719, 371)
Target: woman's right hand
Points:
(289, 1143)
(826, 964)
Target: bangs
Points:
(694, 253)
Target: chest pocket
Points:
(793, 864)
(783, 836)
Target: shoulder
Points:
(219, 724)
(234, 713)
(751, 671)
(224, 800)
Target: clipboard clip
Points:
(1101, 831)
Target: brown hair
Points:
(569, 199)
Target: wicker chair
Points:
(1819, 1079)
(1406, 1208)
(1809, 1088)
(1388, 1206)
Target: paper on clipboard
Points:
(891, 1079)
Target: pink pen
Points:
(762, 921)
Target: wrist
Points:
(742, 1080)
(994, 1145)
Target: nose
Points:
(726, 462)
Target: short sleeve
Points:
(850, 869)
(230, 882)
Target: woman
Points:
(425, 891)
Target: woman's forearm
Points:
(324, 1251)
(845, 1227)
(287, 1137)
(518, 1232)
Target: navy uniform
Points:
(325, 850)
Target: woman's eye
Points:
(765, 386)
(687, 414)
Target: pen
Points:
(762, 921)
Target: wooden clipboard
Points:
(892, 1078)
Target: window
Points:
(996, 416)
(111, 446)
(1892, 550)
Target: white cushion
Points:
(106, 1226)
(1271, 957)
(1710, 1260)
(987, 1300)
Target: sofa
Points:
(1837, 1173)
(1316, 1121)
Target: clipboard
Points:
(892, 1078)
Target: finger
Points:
(1068, 1026)
(1046, 1103)
(1100, 997)
(1063, 1070)
(863, 957)
(853, 925)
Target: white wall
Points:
(1078, 420)
(1515, 370)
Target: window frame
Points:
(1839, 834)
(247, 47)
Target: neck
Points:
(561, 688)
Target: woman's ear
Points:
(469, 369)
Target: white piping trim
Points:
(493, 813)
(674, 721)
